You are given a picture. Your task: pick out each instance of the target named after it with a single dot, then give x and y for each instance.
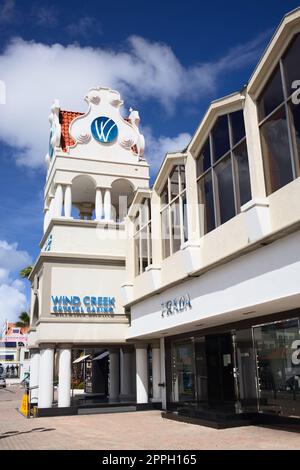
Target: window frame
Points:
(287, 99)
(178, 199)
(138, 222)
(213, 164)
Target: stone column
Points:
(98, 204)
(114, 373)
(68, 201)
(156, 371)
(51, 207)
(125, 372)
(141, 374)
(64, 377)
(34, 374)
(46, 218)
(46, 376)
(107, 204)
(58, 200)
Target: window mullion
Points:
(235, 179)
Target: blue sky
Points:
(168, 59)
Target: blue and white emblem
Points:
(104, 129)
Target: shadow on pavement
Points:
(18, 433)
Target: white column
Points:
(51, 207)
(114, 380)
(68, 201)
(58, 200)
(98, 204)
(107, 204)
(34, 374)
(156, 372)
(46, 377)
(46, 218)
(141, 374)
(64, 378)
(125, 372)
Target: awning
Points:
(81, 358)
(101, 356)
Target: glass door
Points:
(183, 376)
(277, 349)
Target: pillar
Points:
(156, 375)
(125, 372)
(114, 373)
(107, 204)
(51, 207)
(141, 374)
(46, 218)
(46, 377)
(98, 204)
(64, 377)
(34, 374)
(58, 200)
(68, 201)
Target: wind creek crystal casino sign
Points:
(87, 304)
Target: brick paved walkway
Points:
(141, 430)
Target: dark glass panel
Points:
(272, 95)
(206, 200)
(165, 232)
(185, 216)
(144, 248)
(295, 129)
(278, 367)
(220, 135)
(164, 195)
(174, 181)
(237, 126)
(182, 176)
(175, 225)
(183, 383)
(276, 151)
(137, 254)
(203, 160)
(225, 185)
(291, 64)
(241, 156)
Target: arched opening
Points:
(83, 197)
(122, 193)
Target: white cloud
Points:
(12, 297)
(162, 145)
(37, 73)
(84, 27)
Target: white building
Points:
(208, 266)
(14, 354)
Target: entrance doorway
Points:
(220, 368)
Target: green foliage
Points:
(25, 272)
(24, 320)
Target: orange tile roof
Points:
(10, 326)
(65, 119)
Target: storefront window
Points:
(223, 171)
(183, 379)
(277, 348)
(279, 121)
(174, 229)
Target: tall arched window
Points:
(279, 120)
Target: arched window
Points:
(279, 120)
(223, 171)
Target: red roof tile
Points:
(65, 119)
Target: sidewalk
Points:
(139, 430)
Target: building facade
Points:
(205, 280)
(14, 353)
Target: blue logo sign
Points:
(88, 304)
(104, 130)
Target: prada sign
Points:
(176, 305)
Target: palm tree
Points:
(24, 320)
(25, 272)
